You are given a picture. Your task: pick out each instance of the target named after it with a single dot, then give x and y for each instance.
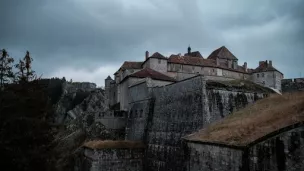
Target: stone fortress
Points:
(188, 113)
(221, 64)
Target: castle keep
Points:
(220, 65)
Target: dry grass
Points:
(109, 144)
(255, 121)
(239, 84)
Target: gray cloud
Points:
(87, 35)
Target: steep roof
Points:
(147, 72)
(157, 55)
(189, 60)
(194, 54)
(256, 121)
(109, 78)
(130, 65)
(223, 53)
(264, 67)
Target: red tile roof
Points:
(147, 72)
(188, 60)
(130, 65)
(158, 55)
(194, 54)
(223, 53)
(264, 67)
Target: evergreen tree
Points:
(6, 73)
(29, 72)
(25, 72)
(20, 75)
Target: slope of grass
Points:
(255, 121)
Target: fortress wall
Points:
(292, 85)
(177, 111)
(111, 159)
(170, 112)
(139, 111)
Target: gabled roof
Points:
(189, 60)
(255, 122)
(222, 53)
(130, 65)
(264, 67)
(109, 78)
(147, 72)
(194, 54)
(157, 55)
(195, 61)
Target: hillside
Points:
(255, 121)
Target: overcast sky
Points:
(87, 40)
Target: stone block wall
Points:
(203, 157)
(284, 151)
(223, 102)
(112, 160)
(161, 116)
(292, 85)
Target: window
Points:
(258, 75)
(159, 61)
(262, 74)
(263, 82)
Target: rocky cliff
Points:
(75, 118)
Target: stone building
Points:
(220, 65)
(261, 137)
(111, 156)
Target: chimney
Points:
(147, 55)
(260, 63)
(245, 66)
(270, 63)
(189, 50)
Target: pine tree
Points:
(20, 75)
(6, 66)
(29, 72)
(25, 72)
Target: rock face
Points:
(72, 95)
